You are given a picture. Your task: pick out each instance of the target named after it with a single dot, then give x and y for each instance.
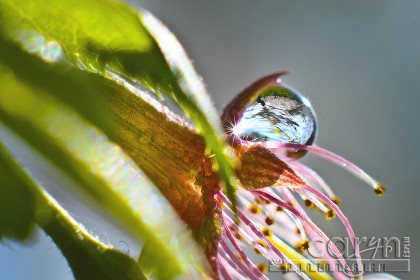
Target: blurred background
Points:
(357, 61)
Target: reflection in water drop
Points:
(278, 114)
(51, 51)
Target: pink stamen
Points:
(306, 221)
(313, 177)
(330, 156)
(248, 223)
(343, 218)
(242, 254)
(288, 221)
(222, 268)
(284, 192)
(312, 234)
(249, 240)
(245, 269)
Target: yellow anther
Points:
(239, 257)
(254, 209)
(284, 267)
(379, 190)
(302, 246)
(330, 214)
(266, 201)
(309, 204)
(237, 235)
(336, 200)
(269, 221)
(266, 232)
(262, 267)
(262, 243)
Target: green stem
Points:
(88, 257)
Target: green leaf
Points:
(17, 202)
(107, 34)
(83, 91)
(88, 257)
(100, 168)
(190, 93)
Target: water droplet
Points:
(279, 113)
(31, 40)
(51, 51)
(35, 43)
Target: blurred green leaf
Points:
(83, 91)
(99, 167)
(21, 198)
(17, 201)
(189, 91)
(77, 25)
(87, 256)
(106, 34)
(104, 37)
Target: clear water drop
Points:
(51, 51)
(31, 41)
(35, 43)
(279, 113)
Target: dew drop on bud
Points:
(279, 113)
